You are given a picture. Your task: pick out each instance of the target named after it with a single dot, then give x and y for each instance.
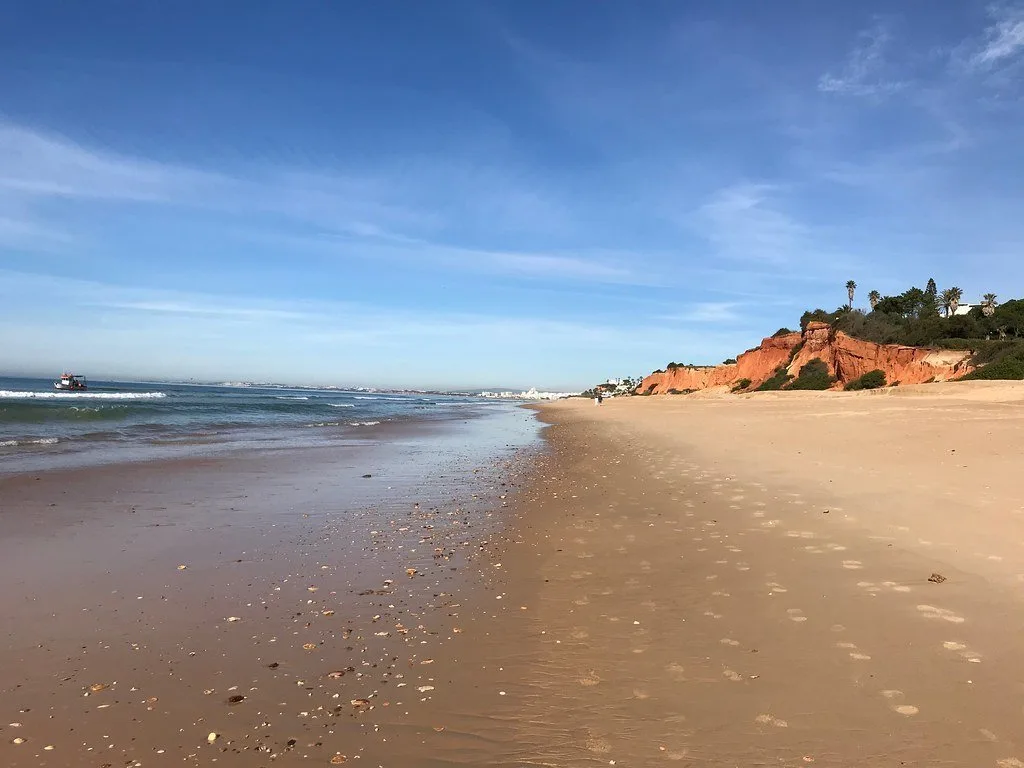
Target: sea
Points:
(115, 421)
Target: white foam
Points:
(392, 399)
(11, 394)
(363, 423)
(39, 441)
(341, 405)
(290, 397)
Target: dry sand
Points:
(705, 581)
(745, 580)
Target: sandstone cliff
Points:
(847, 358)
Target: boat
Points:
(71, 382)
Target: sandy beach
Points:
(776, 579)
(745, 581)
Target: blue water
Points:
(114, 417)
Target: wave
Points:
(12, 394)
(289, 397)
(349, 423)
(38, 441)
(341, 405)
(392, 399)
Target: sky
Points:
(482, 193)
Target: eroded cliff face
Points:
(847, 359)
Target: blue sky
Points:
(488, 193)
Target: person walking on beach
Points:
(599, 399)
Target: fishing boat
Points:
(71, 382)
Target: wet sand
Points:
(284, 603)
(698, 581)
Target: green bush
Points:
(782, 332)
(729, 361)
(1005, 362)
(741, 385)
(870, 380)
(777, 381)
(814, 375)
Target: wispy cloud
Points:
(705, 312)
(865, 70)
(1002, 41)
(414, 212)
(744, 223)
(236, 336)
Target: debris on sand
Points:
(936, 578)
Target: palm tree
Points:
(874, 297)
(951, 300)
(955, 295)
(989, 304)
(850, 288)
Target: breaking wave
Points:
(341, 405)
(39, 441)
(12, 394)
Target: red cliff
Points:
(847, 358)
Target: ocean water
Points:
(113, 421)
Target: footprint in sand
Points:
(720, 593)
(795, 614)
(639, 693)
(729, 674)
(852, 565)
(836, 547)
(895, 587)
(712, 614)
(771, 720)
(854, 651)
(590, 679)
(814, 550)
(729, 641)
(931, 612)
(800, 534)
(676, 672)
(963, 651)
(903, 709)
(598, 745)
(775, 587)
(742, 567)
(759, 514)
(1009, 762)
(579, 634)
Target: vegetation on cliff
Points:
(814, 375)
(928, 318)
(871, 380)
